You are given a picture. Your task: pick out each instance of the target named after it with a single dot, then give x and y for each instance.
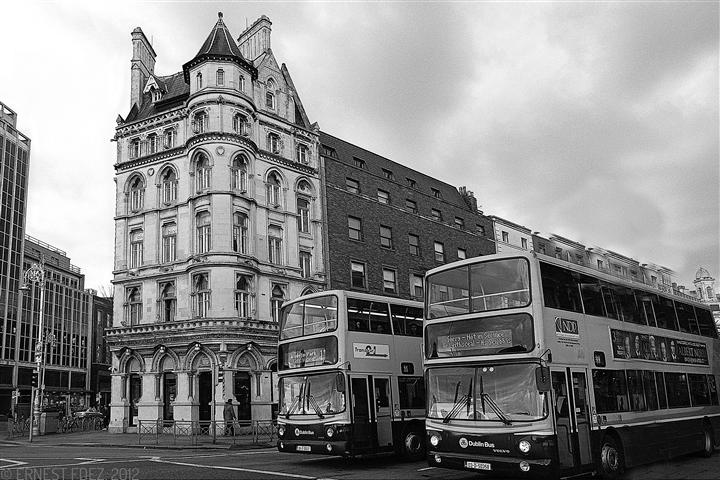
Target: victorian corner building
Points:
(217, 223)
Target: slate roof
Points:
(177, 90)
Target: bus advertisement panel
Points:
(350, 375)
(538, 366)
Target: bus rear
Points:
(487, 387)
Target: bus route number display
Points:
(632, 345)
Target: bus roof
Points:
(354, 294)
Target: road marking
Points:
(237, 469)
(13, 463)
(426, 468)
(89, 460)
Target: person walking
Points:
(229, 417)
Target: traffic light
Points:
(35, 378)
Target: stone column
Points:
(185, 407)
(149, 406)
(119, 407)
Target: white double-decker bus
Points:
(535, 365)
(350, 375)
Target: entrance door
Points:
(581, 398)
(363, 434)
(572, 416)
(135, 394)
(169, 393)
(205, 395)
(383, 419)
(242, 394)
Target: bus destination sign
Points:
(630, 345)
(306, 357)
(474, 341)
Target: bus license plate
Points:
(477, 465)
(303, 448)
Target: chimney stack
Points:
(142, 65)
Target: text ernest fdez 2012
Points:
(70, 473)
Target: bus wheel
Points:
(413, 447)
(612, 462)
(708, 444)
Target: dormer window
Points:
(270, 94)
(156, 95)
(220, 77)
(198, 81)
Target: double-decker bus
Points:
(350, 375)
(537, 365)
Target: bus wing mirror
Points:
(340, 383)
(542, 379)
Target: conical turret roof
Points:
(219, 45)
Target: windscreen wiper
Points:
(495, 408)
(296, 402)
(311, 401)
(456, 408)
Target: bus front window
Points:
(502, 393)
(317, 395)
(314, 315)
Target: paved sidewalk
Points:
(130, 440)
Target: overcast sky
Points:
(594, 121)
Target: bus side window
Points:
(379, 318)
(358, 314)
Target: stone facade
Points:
(218, 221)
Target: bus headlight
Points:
(281, 431)
(524, 446)
(329, 432)
(524, 466)
(434, 440)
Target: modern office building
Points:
(67, 306)
(14, 168)
(101, 317)
(388, 224)
(218, 221)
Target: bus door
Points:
(383, 419)
(363, 435)
(572, 420)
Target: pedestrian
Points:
(229, 417)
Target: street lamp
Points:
(36, 275)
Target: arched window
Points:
(273, 189)
(169, 242)
(239, 175)
(202, 172)
(202, 225)
(133, 306)
(302, 154)
(241, 85)
(273, 143)
(220, 77)
(156, 94)
(241, 124)
(709, 291)
(152, 143)
(270, 94)
(167, 301)
(275, 245)
(303, 211)
(199, 82)
(200, 122)
(242, 296)
(276, 300)
(240, 233)
(136, 248)
(168, 186)
(201, 292)
(137, 194)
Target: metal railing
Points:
(178, 432)
(18, 427)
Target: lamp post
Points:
(36, 275)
